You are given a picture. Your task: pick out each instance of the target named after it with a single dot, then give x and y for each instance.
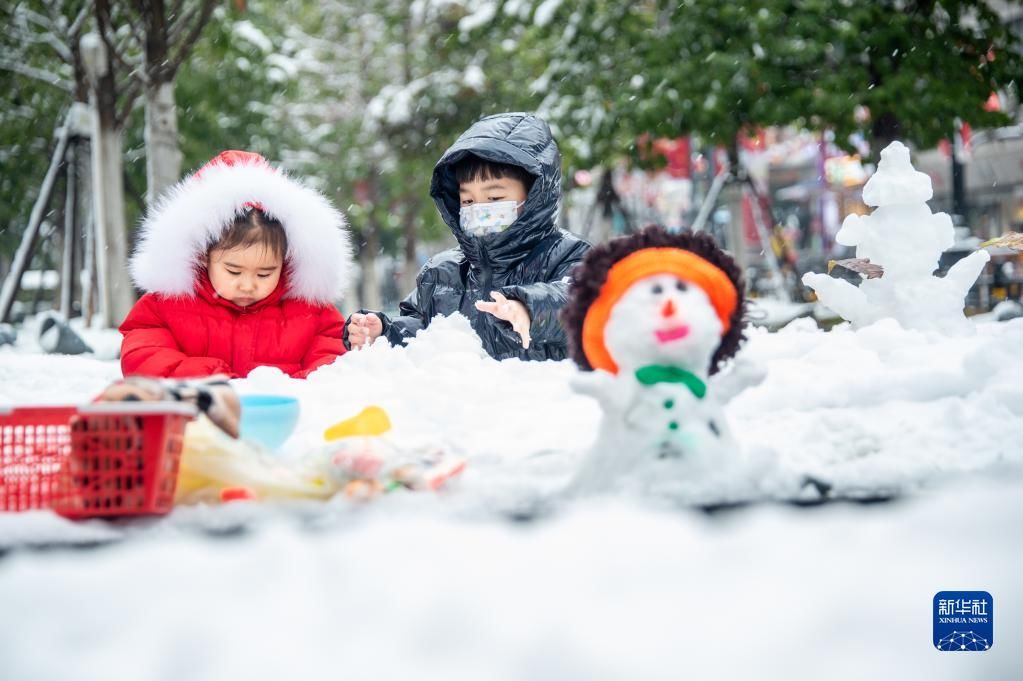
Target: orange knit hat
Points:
(645, 263)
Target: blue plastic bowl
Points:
(268, 419)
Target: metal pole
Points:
(958, 176)
(89, 266)
(765, 241)
(67, 274)
(711, 199)
(24, 252)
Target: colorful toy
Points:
(357, 459)
(365, 463)
(216, 468)
(650, 317)
(237, 494)
(370, 421)
(268, 419)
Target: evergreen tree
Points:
(886, 68)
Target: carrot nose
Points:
(668, 309)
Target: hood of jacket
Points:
(191, 216)
(519, 139)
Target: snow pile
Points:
(601, 592)
(773, 313)
(442, 586)
(874, 411)
(28, 378)
(884, 409)
(442, 390)
(904, 237)
(31, 337)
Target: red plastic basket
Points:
(101, 460)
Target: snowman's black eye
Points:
(657, 289)
(681, 285)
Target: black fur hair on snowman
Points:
(610, 269)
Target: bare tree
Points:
(112, 96)
(134, 52)
(167, 32)
(59, 29)
(134, 49)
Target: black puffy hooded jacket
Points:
(529, 262)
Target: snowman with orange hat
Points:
(650, 317)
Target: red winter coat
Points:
(202, 335)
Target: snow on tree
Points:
(167, 34)
(386, 85)
(612, 71)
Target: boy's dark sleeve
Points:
(409, 321)
(544, 301)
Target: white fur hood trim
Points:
(192, 215)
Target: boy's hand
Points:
(363, 329)
(510, 311)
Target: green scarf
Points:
(662, 373)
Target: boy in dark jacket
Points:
(498, 188)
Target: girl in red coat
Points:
(241, 265)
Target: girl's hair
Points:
(472, 168)
(254, 227)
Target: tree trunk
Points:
(371, 296)
(600, 217)
(734, 235)
(37, 293)
(410, 269)
(85, 216)
(885, 129)
(116, 294)
(163, 155)
(167, 45)
(89, 272)
(70, 235)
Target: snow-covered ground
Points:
(502, 577)
(608, 590)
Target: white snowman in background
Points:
(653, 322)
(907, 240)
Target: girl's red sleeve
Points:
(149, 347)
(327, 344)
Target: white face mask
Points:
(488, 218)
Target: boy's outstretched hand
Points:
(511, 311)
(363, 329)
